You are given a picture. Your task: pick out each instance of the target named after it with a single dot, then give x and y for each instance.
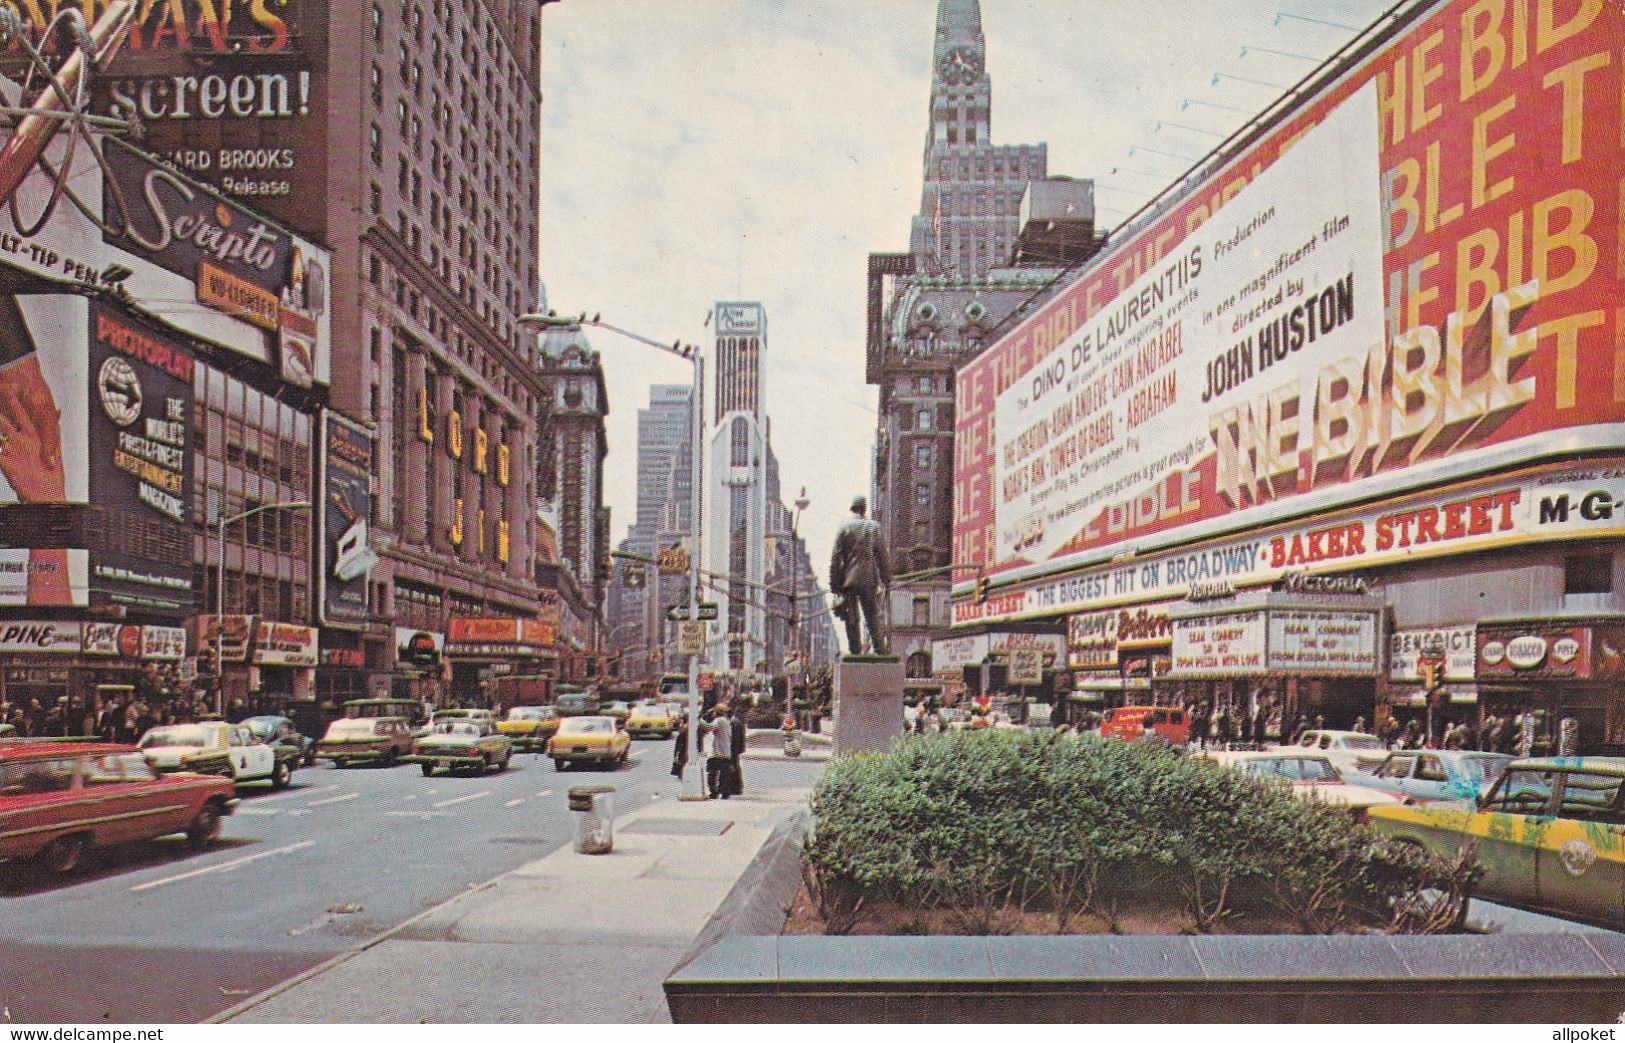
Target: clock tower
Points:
(960, 90)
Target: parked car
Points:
(1312, 777)
(600, 740)
(650, 721)
(58, 800)
(1350, 751)
(470, 745)
(281, 731)
(8, 731)
(1433, 775)
(1550, 835)
(1128, 723)
(366, 739)
(218, 748)
(464, 713)
(530, 726)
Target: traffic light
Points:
(981, 589)
(1430, 674)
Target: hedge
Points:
(982, 824)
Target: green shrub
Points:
(986, 824)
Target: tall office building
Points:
(991, 231)
(664, 477)
(736, 519)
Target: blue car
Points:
(1430, 776)
(280, 731)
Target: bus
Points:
(510, 690)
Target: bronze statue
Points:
(857, 570)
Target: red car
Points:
(59, 799)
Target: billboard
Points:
(346, 506)
(140, 420)
(1398, 285)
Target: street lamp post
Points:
(220, 589)
(541, 323)
(795, 607)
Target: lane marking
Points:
(410, 796)
(332, 800)
(257, 811)
(458, 800)
(545, 793)
(425, 815)
(285, 794)
(514, 803)
(224, 866)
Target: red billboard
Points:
(1413, 277)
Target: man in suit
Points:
(858, 569)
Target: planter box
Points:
(1572, 977)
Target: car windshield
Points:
(357, 728)
(464, 728)
(1523, 792)
(587, 726)
(196, 737)
(1484, 769)
(1359, 742)
(529, 713)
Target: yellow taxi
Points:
(1550, 835)
(650, 721)
(598, 739)
(529, 726)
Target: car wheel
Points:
(338, 762)
(558, 763)
(428, 769)
(389, 758)
(502, 765)
(62, 854)
(205, 827)
(281, 774)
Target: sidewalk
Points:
(567, 938)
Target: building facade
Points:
(934, 307)
(1252, 458)
(736, 519)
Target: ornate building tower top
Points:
(960, 89)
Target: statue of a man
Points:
(857, 571)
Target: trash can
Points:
(594, 808)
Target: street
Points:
(157, 933)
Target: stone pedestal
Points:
(868, 703)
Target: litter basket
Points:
(594, 808)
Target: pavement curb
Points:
(760, 899)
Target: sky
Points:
(762, 149)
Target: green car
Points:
(1550, 835)
(472, 746)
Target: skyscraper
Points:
(736, 522)
(970, 263)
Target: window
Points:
(375, 340)
(377, 23)
(922, 493)
(1588, 574)
(922, 610)
(377, 84)
(922, 456)
(925, 384)
(375, 139)
(375, 197)
(922, 420)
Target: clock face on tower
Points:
(961, 65)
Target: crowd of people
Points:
(722, 741)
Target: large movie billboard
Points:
(1413, 278)
(347, 464)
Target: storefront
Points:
(1294, 655)
(1011, 666)
(1557, 670)
(58, 676)
(1445, 656)
(420, 667)
(481, 648)
(1120, 657)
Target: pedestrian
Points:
(679, 753)
(1222, 732)
(1359, 725)
(1261, 720)
(1200, 722)
(736, 746)
(719, 754)
(1412, 737)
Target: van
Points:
(1128, 723)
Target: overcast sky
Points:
(761, 149)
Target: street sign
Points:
(691, 638)
(708, 610)
(1026, 666)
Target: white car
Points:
(1311, 775)
(218, 748)
(1349, 751)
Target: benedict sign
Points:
(1409, 278)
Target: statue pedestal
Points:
(868, 703)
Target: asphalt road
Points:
(157, 933)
